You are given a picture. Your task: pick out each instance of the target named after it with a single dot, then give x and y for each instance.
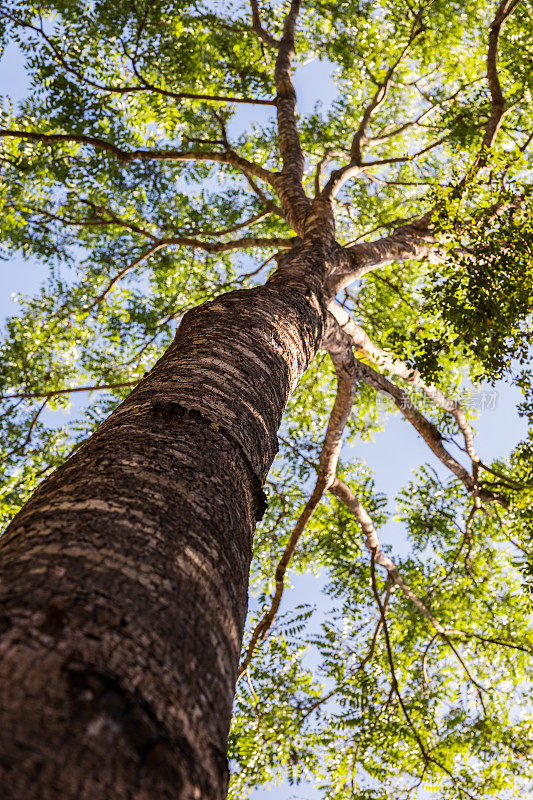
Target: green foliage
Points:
(320, 703)
(481, 298)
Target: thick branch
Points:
(288, 183)
(412, 241)
(263, 34)
(504, 10)
(362, 342)
(427, 430)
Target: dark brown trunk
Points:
(124, 579)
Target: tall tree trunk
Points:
(124, 578)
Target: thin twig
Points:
(53, 392)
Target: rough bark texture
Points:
(125, 577)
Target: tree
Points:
(133, 171)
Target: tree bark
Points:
(124, 578)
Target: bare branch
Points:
(288, 183)
(412, 241)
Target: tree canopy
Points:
(145, 169)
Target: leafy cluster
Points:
(481, 298)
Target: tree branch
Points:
(263, 34)
(380, 95)
(390, 658)
(326, 158)
(340, 490)
(362, 342)
(427, 430)
(288, 183)
(340, 176)
(279, 242)
(21, 448)
(146, 86)
(425, 753)
(505, 9)
(54, 392)
(159, 241)
(412, 241)
(269, 204)
(150, 251)
(362, 664)
(253, 220)
(399, 129)
(127, 156)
